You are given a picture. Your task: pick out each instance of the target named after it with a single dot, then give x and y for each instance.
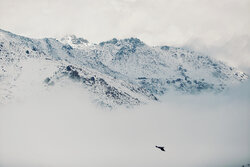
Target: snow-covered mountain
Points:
(116, 72)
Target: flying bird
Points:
(161, 148)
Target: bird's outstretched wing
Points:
(161, 148)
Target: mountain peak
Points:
(127, 41)
(74, 41)
(134, 41)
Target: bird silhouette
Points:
(161, 148)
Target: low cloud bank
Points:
(63, 128)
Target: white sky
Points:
(221, 28)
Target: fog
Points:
(62, 127)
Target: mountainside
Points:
(116, 72)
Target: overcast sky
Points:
(219, 28)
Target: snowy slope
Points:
(160, 68)
(116, 72)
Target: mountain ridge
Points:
(119, 71)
